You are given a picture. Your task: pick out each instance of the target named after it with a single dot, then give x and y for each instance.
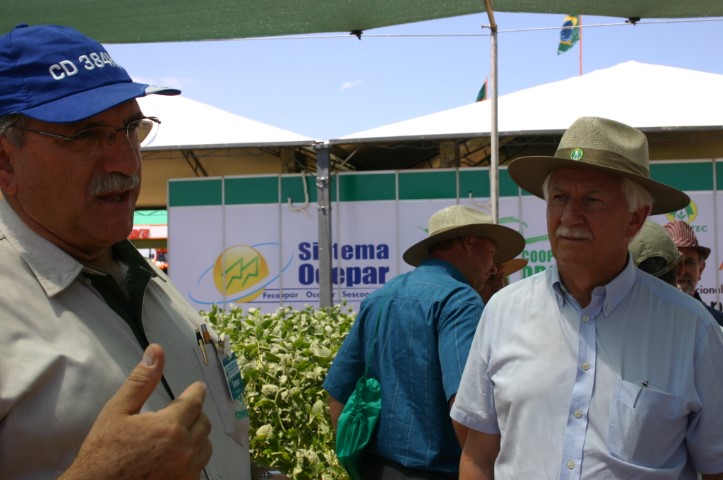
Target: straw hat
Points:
(606, 146)
(460, 221)
(653, 241)
(511, 266)
(684, 237)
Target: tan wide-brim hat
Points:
(512, 266)
(460, 221)
(653, 241)
(606, 146)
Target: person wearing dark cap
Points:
(593, 369)
(88, 323)
(690, 269)
(426, 320)
(654, 252)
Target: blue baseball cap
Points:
(57, 74)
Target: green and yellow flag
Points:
(482, 95)
(570, 34)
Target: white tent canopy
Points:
(188, 124)
(196, 139)
(650, 97)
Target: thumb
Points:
(140, 384)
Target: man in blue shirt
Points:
(427, 318)
(593, 369)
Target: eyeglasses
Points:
(100, 135)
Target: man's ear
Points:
(7, 171)
(637, 219)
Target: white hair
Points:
(635, 194)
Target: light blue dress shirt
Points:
(429, 318)
(628, 387)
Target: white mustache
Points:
(112, 183)
(571, 232)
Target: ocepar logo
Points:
(240, 274)
(688, 214)
(237, 270)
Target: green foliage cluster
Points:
(284, 357)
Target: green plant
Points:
(284, 357)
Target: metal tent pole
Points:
(494, 140)
(324, 220)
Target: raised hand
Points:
(171, 443)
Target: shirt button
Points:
(570, 464)
(578, 414)
(585, 318)
(586, 366)
(87, 282)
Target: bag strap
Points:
(376, 327)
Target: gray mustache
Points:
(563, 231)
(114, 182)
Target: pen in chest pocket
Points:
(640, 390)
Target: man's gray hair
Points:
(635, 194)
(10, 128)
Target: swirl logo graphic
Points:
(688, 214)
(238, 269)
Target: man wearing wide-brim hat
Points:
(690, 269)
(593, 369)
(419, 328)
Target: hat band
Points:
(604, 158)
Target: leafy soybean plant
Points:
(284, 357)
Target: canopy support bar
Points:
(494, 138)
(324, 221)
(194, 163)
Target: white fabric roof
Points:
(649, 97)
(188, 124)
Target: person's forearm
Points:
(471, 470)
(478, 456)
(335, 409)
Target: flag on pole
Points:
(570, 34)
(482, 95)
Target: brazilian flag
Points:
(482, 95)
(570, 34)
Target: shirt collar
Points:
(54, 269)
(614, 292)
(448, 267)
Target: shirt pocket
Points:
(647, 426)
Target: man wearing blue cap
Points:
(80, 306)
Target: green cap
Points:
(653, 241)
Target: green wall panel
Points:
(688, 176)
(198, 192)
(367, 187)
(293, 186)
(476, 181)
(251, 190)
(427, 185)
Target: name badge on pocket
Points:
(235, 383)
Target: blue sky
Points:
(329, 85)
